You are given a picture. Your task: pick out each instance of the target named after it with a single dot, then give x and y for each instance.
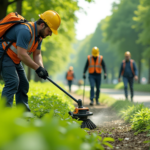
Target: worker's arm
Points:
(26, 59)
(66, 75)
(73, 75)
(86, 67)
(104, 66)
(37, 57)
(135, 69)
(121, 67)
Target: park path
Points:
(110, 125)
(140, 97)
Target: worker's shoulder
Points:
(132, 60)
(21, 27)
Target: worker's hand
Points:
(105, 76)
(42, 73)
(84, 76)
(136, 78)
(119, 80)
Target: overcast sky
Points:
(95, 12)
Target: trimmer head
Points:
(82, 114)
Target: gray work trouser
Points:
(17, 83)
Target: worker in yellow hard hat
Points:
(94, 64)
(27, 38)
(129, 72)
(70, 77)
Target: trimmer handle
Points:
(79, 102)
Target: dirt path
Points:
(110, 125)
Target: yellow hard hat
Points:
(127, 53)
(52, 19)
(70, 68)
(95, 51)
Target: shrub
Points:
(128, 114)
(141, 120)
(48, 126)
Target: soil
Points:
(110, 125)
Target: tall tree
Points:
(119, 31)
(4, 5)
(142, 25)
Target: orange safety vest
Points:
(70, 75)
(95, 66)
(131, 65)
(12, 50)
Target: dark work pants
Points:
(95, 79)
(15, 83)
(69, 84)
(126, 81)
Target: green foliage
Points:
(137, 87)
(42, 99)
(142, 24)
(128, 114)
(119, 30)
(141, 120)
(49, 128)
(120, 139)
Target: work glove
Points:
(42, 73)
(105, 76)
(84, 76)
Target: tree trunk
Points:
(29, 74)
(3, 8)
(19, 7)
(149, 71)
(139, 71)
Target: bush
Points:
(141, 120)
(128, 114)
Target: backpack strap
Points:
(1, 59)
(21, 21)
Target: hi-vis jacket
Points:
(70, 75)
(12, 50)
(95, 66)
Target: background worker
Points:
(129, 72)
(27, 40)
(94, 65)
(70, 77)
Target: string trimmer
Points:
(80, 112)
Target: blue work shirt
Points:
(21, 35)
(127, 71)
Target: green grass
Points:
(137, 87)
(108, 86)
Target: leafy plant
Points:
(141, 120)
(120, 139)
(48, 126)
(129, 113)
